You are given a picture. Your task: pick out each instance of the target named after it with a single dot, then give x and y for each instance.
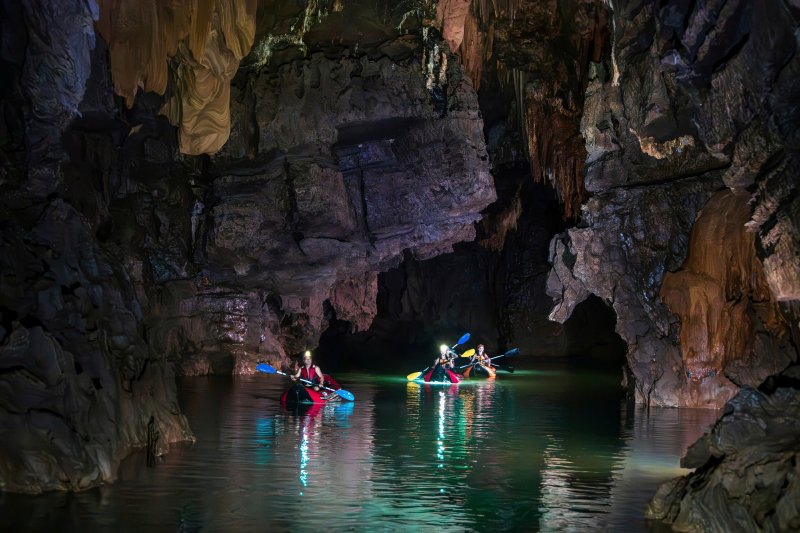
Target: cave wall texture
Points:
(700, 97)
(193, 187)
(131, 253)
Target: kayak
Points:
(440, 374)
(480, 370)
(300, 394)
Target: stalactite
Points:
(556, 153)
(204, 40)
(475, 48)
(499, 8)
(720, 282)
(518, 79)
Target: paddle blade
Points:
(412, 377)
(509, 369)
(345, 394)
(509, 353)
(463, 339)
(263, 367)
(468, 353)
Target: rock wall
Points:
(723, 300)
(126, 258)
(695, 97)
(746, 474)
(79, 383)
(355, 163)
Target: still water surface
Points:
(547, 449)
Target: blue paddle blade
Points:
(515, 351)
(345, 394)
(463, 339)
(263, 367)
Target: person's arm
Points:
(321, 376)
(297, 374)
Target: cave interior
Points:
(193, 188)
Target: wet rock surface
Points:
(747, 476)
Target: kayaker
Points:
(445, 358)
(481, 357)
(311, 372)
(441, 371)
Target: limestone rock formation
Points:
(78, 382)
(722, 298)
(693, 94)
(199, 43)
(621, 256)
(354, 163)
(747, 476)
(126, 259)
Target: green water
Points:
(547, 449)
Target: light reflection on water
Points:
(541, 450)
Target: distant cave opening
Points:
(492, 287)
(591, 337)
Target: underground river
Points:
(552, 447)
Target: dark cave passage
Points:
(591, 335)
(588, 337)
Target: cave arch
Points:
(591, 334)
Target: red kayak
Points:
(440, 374)
(300, 394)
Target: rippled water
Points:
(551, 449)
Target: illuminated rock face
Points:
(198, 42)
(722, 299)
(686, 107)
(126, 260)
(354, 163)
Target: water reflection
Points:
(542, 451)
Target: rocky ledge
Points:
(747, 475)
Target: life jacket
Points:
(309, 373)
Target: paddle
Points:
(415, 375)
(509, 353)
(263, 367)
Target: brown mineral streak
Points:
(720, 277)
(205, 40)
(555, 151)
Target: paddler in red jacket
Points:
(311, 372)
